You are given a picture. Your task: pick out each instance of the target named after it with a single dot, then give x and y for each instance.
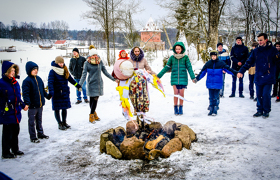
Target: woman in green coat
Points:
(179, 64)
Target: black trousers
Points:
(63, 114)
(35, 119)
(93, 103)
(10, 138)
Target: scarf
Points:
(13, 80)
(179, 56)
(94, 60)
(59, 71)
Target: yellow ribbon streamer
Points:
(125, 102)
(155, 84)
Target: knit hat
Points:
(214, 53)
(76, 49)
(239, 38)
(59, 59)
(219, 44)
(92, 52)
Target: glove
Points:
(79, 87)
(194, 80)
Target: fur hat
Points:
(219, 44)
(214, 53)
(59, 59)
(76, 49)
(239, 38)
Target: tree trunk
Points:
(213, 23)
(107, 32)
(113, 28)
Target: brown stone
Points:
(172, 146)
(113, 150)
(186, 130)
(184, 138)
(155, 126)
(131, 128)
(169, 129)
(104, 137)
(132, 148)
(154, 154)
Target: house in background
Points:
(61, 44)
(151, 37)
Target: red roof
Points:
(60, 42)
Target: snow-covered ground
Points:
(232, 145)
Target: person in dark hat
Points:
(239, 54)
(10, 106)
(76, 68)
(34, 94)
(214, 69)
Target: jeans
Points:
(10, 138)
(35, 118)
(251, 85)
(83, 89)
(234, 85)
(222, 90)
(214, 97)
(264, 98)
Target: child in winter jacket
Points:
(59, 90)
(214, 69)
(33, 93)
(179, 64)
(10, 109)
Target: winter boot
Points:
(78, 102)
(91, 118)
(18, 153)
(86, 101)
(61, 126)
(96, 118)
(210, 110)
(180, 110)
(258, 114)
(241, 96)
(215, 111)
(176, 111)
(265, 115)
(8, 156)
(232, 95)
(43, 136)
(65, 124)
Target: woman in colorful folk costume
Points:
(133, 86)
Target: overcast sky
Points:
(68, 10)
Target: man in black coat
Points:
(76, 68)
(239, 54)
(266, 58)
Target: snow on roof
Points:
(60, 42)
(151, 26)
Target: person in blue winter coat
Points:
(223, 56)
(34, 94)
(267, 58)
(10, 107)
(214, 69)
(239, 55)
(59, 90)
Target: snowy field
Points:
(232, 145)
